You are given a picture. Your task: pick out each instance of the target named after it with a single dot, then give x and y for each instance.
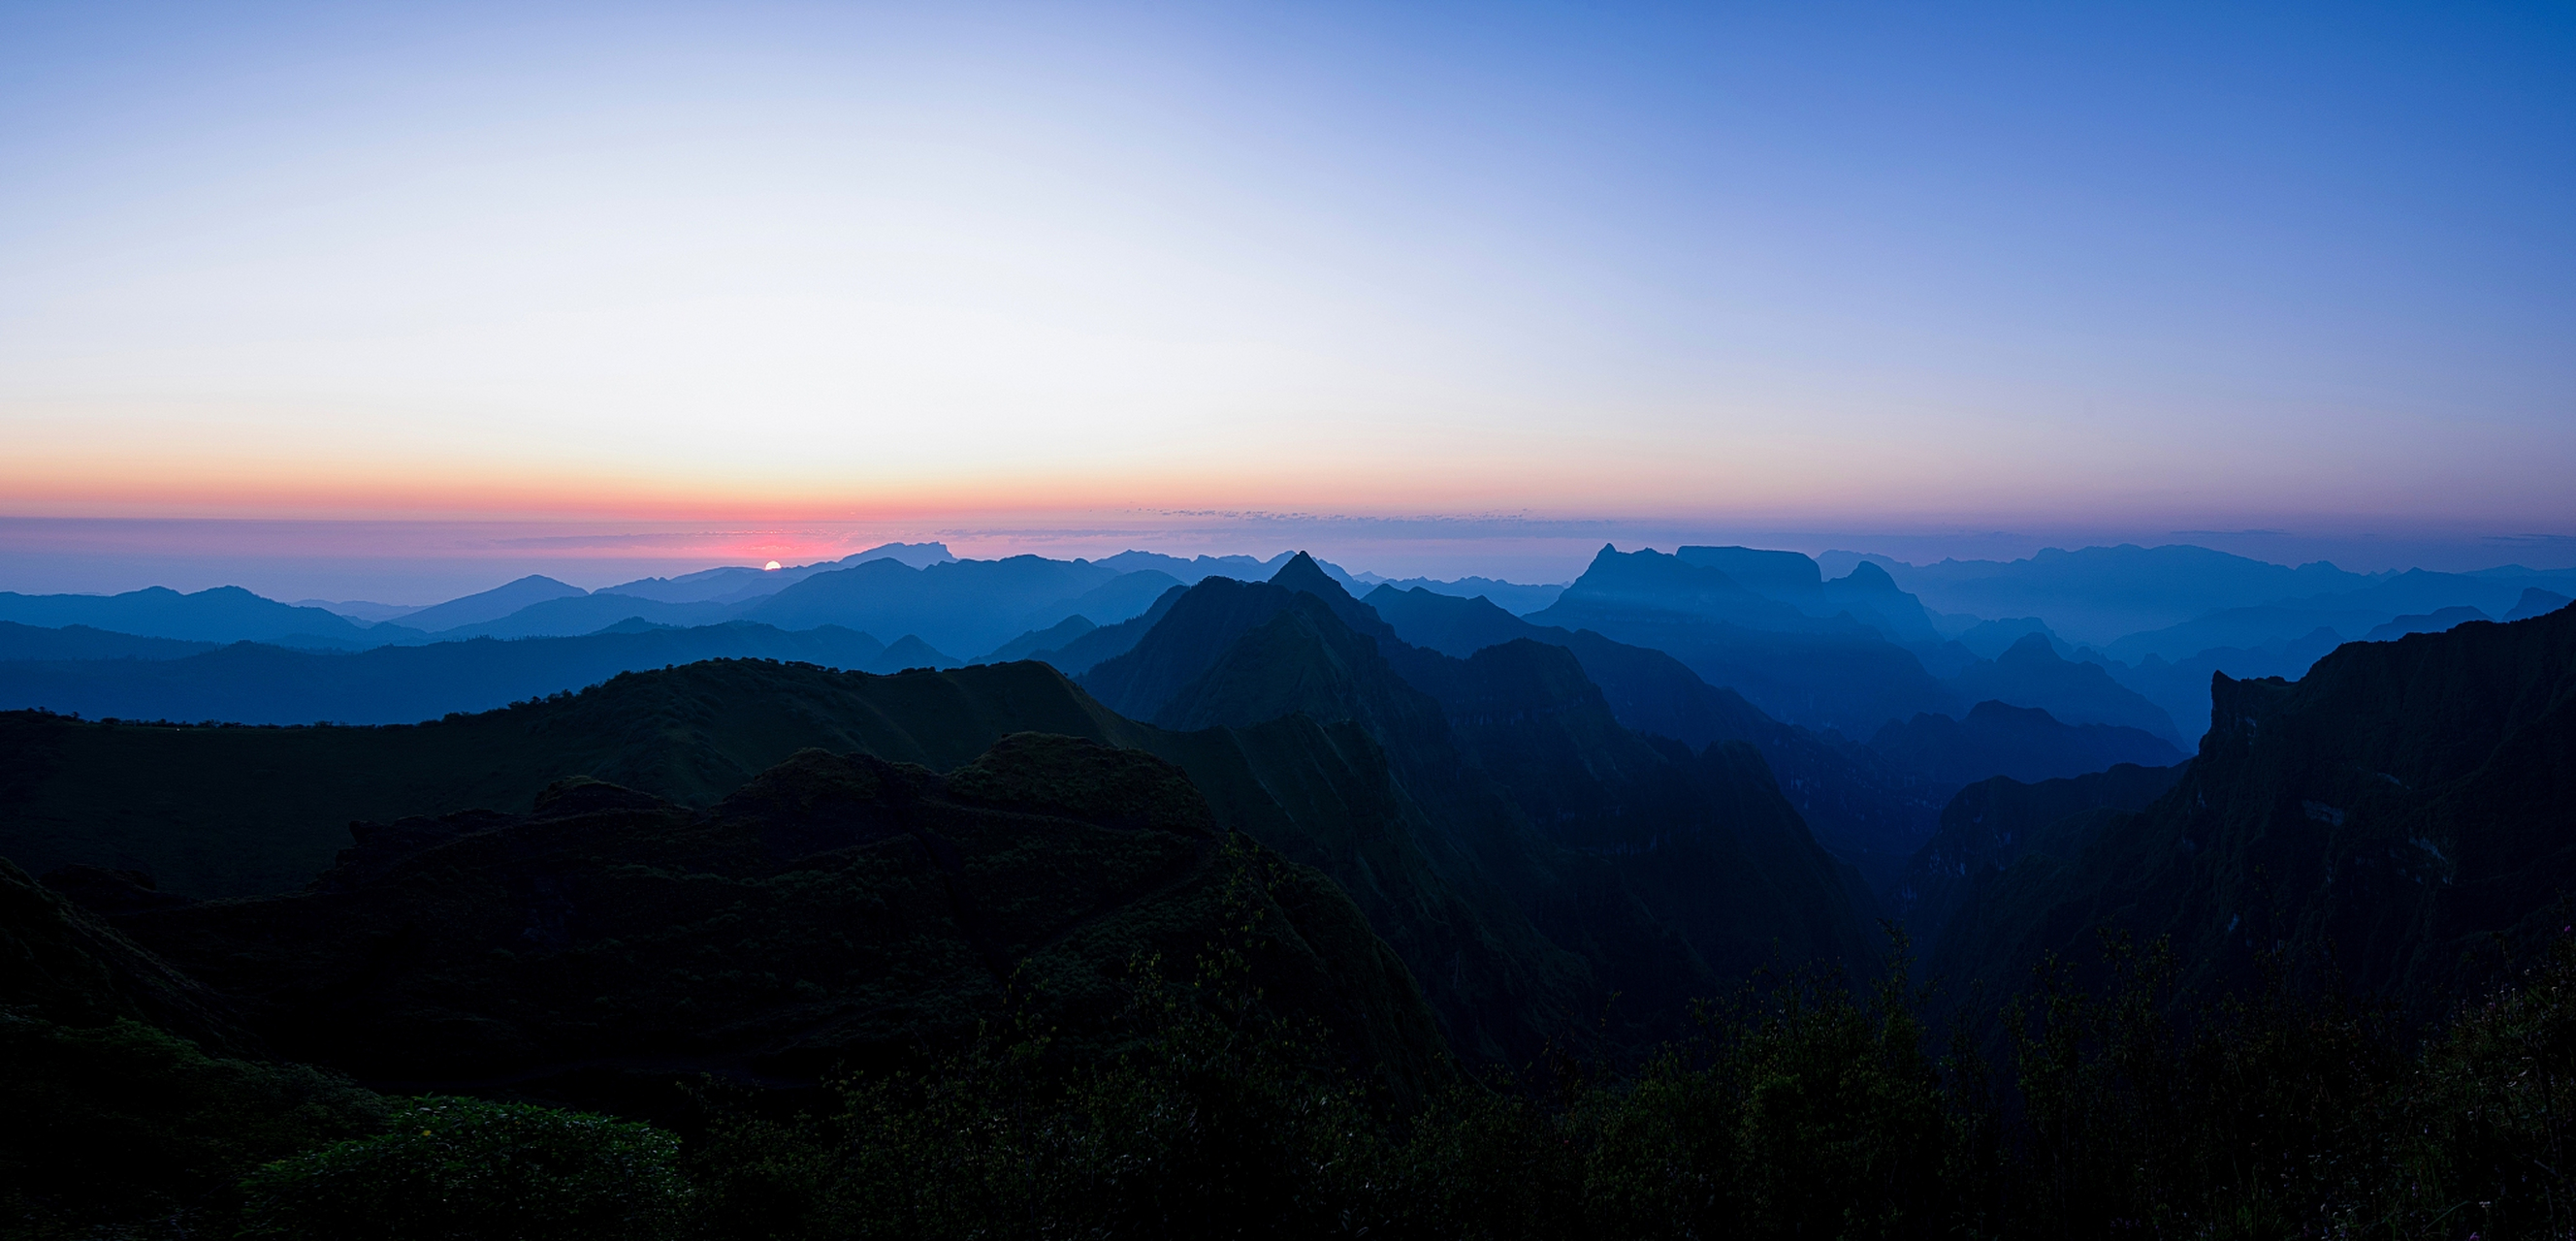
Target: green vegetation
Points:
(122, 1126)
(457, 1168)
(1798, 1109)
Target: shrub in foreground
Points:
(453, 1169)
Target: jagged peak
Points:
(1302, 573)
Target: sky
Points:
(1472, 287)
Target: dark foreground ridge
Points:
(835, 911)
(1355, 937)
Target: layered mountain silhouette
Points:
(492, 605)
(222, 614)
(240, 811)
(2030, 673)
(1511, 597)
(1988, 639)
(1534, 814)
(2431, 622)
(970, 605)
(1037, 640)
(1444, 860)
(83, 642)
(2181, 687)
(1867, 594)
(2097, 594)
(2243, 629)
(2537, 602)
(1820, 672)
(739, 583)
(574, 615)
(252, 683)
(952, 605)
(2025, 743)
(1662, 871)
(2397, 815)
(1078, 654)
(1862, 808)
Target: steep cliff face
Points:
(2406, 812)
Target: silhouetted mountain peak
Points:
(1867, 575)
(1302, 573)
(2536, 602)
(2031, 648)
(491, 605)
(1648, 575)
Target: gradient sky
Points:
(1814, 267)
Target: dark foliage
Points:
(1797, 1110)
(122, 1129)
(468, 1170)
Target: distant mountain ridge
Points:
(220, 614)
(738, 583)
(2031, 674)
(252, 683)
(2023, 743)
(1835, 673)
(2097, 594)
(490, 605)
(1863, 808)
(82, 642)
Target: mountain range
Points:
(1437, 841)
(1522, 851)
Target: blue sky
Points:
(1828, 267)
